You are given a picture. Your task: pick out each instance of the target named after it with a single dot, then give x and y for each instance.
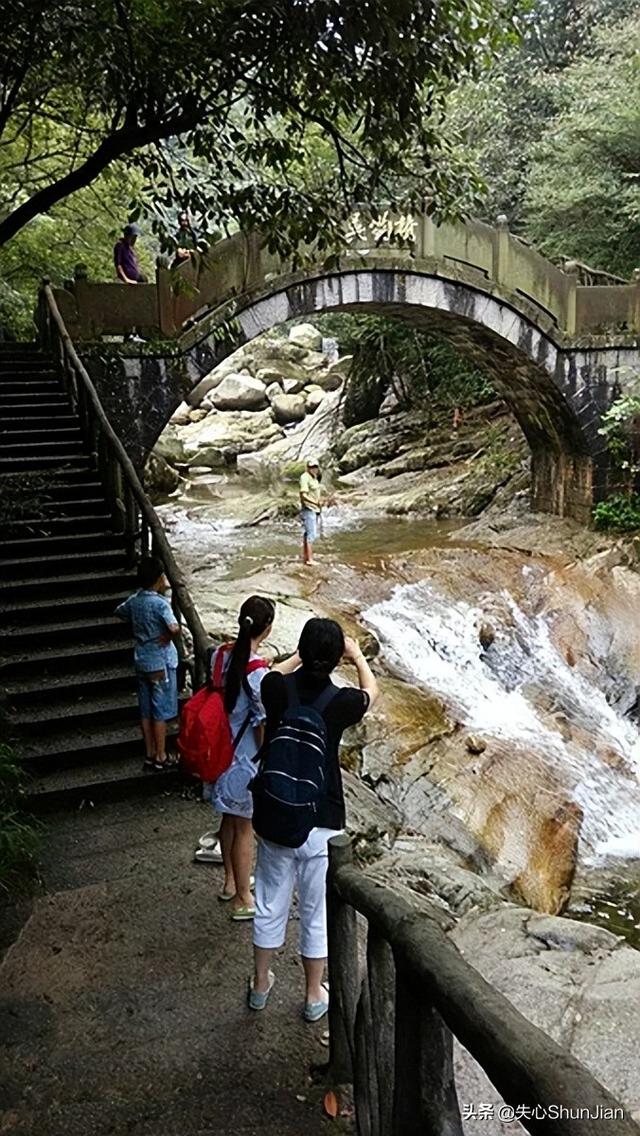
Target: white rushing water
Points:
(430, 637)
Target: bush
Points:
(20, 834)
(619, 513)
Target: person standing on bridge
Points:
(310, 508)
(125, 259)
(301, 701)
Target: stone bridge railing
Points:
(479, 255)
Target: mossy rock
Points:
(293, 470)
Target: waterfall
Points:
(433, 639)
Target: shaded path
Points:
(123, 1000)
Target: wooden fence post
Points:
(343, 967)
(424, 1100)
(365, 1081)
(381, 976)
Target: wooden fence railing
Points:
(393, 1020)
(132, 513)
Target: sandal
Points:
(258, 1001)
(242, 914)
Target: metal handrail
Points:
(132, 511)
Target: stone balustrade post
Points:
(571, 314)
(635, 305)
(501, 250)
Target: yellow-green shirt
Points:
(311, 490)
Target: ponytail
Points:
(256, 614)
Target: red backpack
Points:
(205, 743)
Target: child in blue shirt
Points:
(154, 627)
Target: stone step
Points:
(80, 507)
(56, 659)
(39, 612)
(73, 583)
(79, 462)
(100, 540)
(34, 423)
(66, 748)
(39, 725)
(66, 430)
(32, 567)
(116, 776)
(46, 526)
(32, 692)
(73, 488)
(44, 448)
(37, 386)
(52, 407)
(19, 642)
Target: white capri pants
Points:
(278, 870)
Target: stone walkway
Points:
(123, 1000)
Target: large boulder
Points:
(271, 353)
(170, 445)
(160, 479)
(270, 375)
(180, 416)
(314, 396)
(329, 380)
(273, 390)
(288, 408)
(217, 441)
(314, 361)
(293, 386)
(202, 389)
(307, 336)
(240, 392)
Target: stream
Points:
(534, 654)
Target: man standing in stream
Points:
(310, 508)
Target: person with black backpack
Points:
(298, 801)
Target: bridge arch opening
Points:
(552, 402)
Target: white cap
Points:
(313, 462)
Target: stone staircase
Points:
(65, 660)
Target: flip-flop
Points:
(242, 914)
(258, 1001)
(314, 1011)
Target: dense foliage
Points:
(554, 130)
(421, 368)
(214, 101)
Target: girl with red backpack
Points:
(242, 671)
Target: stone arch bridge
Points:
(559, 344)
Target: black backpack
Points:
(292, 775)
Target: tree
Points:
(421, 368)
(501, 116)
(234, 87)
(583, 193)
